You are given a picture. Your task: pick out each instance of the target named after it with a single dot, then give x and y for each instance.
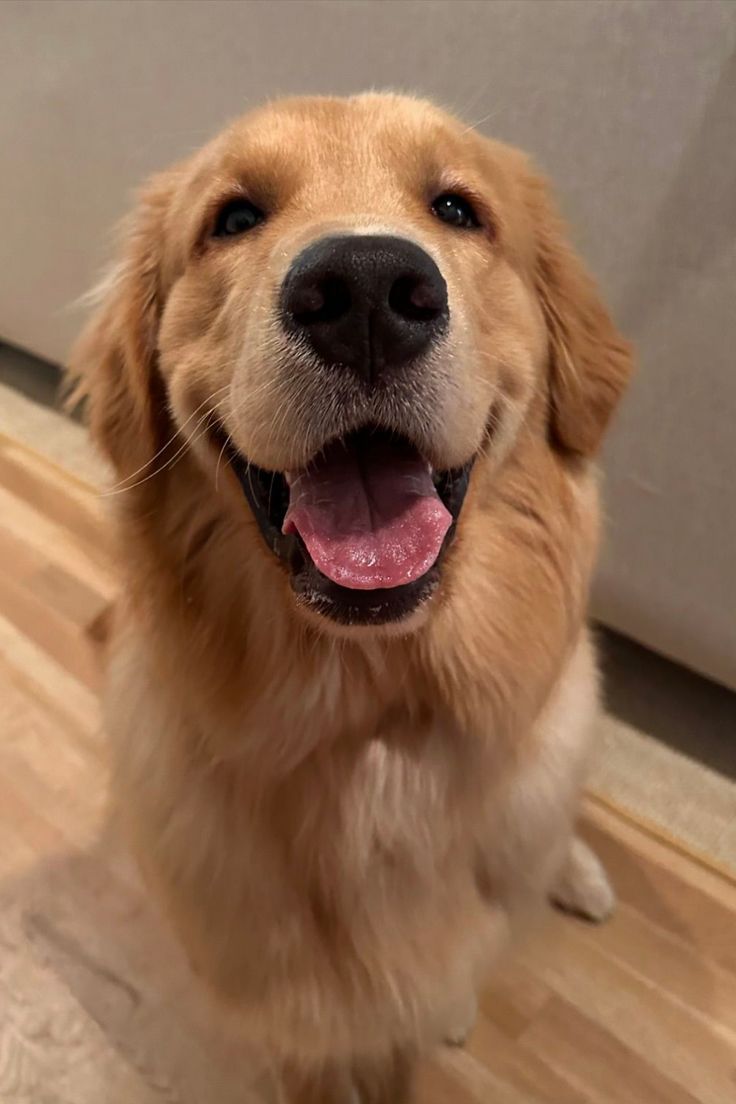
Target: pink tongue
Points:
(369, 515)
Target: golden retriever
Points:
(352, 379)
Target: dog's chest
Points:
(386, 815)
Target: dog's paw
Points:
(582, 887)
(460, 1021)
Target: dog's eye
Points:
(237, 217)
(455, 210)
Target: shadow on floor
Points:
(689, 713)
(36, 379)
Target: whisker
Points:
(227, 441)
(187, 443)
(479, 122)
(166, 445)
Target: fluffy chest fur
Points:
(321, 817)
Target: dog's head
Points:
(349, 304)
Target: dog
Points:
(352, 380)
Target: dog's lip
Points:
(267, 494)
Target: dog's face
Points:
(357, 301)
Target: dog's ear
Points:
(589, 361)
(113, 365)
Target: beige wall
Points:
(630, 106)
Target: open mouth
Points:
(362, 528)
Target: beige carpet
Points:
(668, 742)
(661, 787)
(51, 433)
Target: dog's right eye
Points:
(237, 217)
(455, 210)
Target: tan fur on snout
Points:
(342, 829)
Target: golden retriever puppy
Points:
(352, 380)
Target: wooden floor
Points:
(96, 1006)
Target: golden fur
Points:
(342, 824)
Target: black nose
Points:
(369, 303)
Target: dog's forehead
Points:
(360, 119)
(320, 139)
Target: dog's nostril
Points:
(417, 299)
(323, 301)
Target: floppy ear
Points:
(113, 365)
(589, 361)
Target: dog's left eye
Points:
(237, 217)
(455, 210)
